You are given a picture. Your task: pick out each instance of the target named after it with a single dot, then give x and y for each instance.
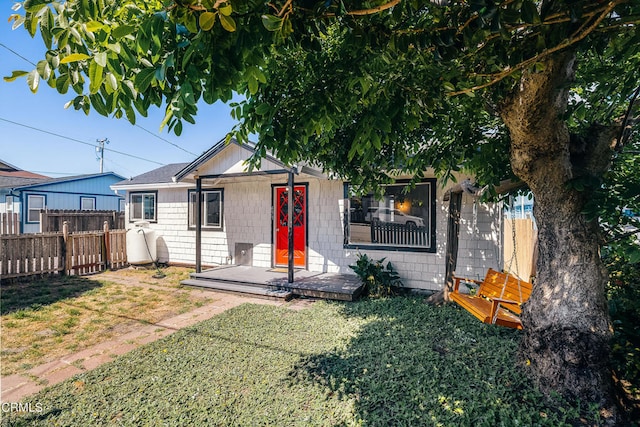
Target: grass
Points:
(45, 319)
(376, 362)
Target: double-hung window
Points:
(211, 212)
(34, 204)
(403, 219)
(87, 203)
(142, 206)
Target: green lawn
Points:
(385, 362)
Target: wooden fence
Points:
(398, 234)
(525, 236)
(51, 220)
(9, 224)
(62, 253)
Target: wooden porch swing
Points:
(499, 299)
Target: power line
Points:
(167, 141)
(17, 54)
(78, 141)
(146, 130)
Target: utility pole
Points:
(100, 150)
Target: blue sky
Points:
(54, 156)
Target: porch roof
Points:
(191, 169)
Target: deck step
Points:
(240, 288)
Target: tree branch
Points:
(498, 77)
(626, 121)
(371, 11)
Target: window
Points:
(34, 204)
(87, 203)
(121, 205)
(142, 207)
(401, 220)
(8, 204)
(211, 209)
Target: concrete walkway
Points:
(16, 387)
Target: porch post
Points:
(453, 238)
(198, 219)
(290, 227)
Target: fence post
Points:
(106, 246)
(68, 248)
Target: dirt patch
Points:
(50, 318)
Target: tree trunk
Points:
(565, 347)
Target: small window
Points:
(34, 204)
(402, 219)
(211, 209)
(142, 207)
(121, 205)
(9, 204)
(87, 203)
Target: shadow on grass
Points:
(422, 365)
(20, 295)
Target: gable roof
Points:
(215, 150)
(48, 181)
(161, 175)
(12, 176)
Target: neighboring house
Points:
(244, 219)
(11, 176)
(29, 194)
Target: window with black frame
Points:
(211, 209)
(403, 219)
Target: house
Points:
(244, 219)
(26, 194)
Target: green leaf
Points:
(206, 20)
(112, 82)
(74, 57)
(43, 69)
(144, 78)
(252, 82)
(271, 22)
(227, 23)
(33, 6)
(94, 26)
(33, 80)
(14, 75)
(96, 76)
(62, 83)
(98, 104)
(449, 87)
(226, 10)
(122, 30)
(101, 58)
(187, 93)
(530, 12)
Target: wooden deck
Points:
(273, 282)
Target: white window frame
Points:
(8, 204)
(87, 199)
(30, 199)
(205, 209)
(152, 195)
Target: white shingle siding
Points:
(248, 219)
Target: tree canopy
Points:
(545, 90)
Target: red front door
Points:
(281, 201)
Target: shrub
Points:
(380, 280)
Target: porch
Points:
(273, 282)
